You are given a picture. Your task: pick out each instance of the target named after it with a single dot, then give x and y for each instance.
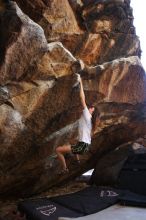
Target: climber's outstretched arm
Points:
(82, 94)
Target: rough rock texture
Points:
(93, 32)
(23, 43)
(121, 80)
(39, 104)
(35, 9)
(55, 17)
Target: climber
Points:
(86, 127)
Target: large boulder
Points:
(121, 80)
(106, 25)
(93, 32)
(55, 17)
(108, 168)
(23, 43)
(39, 103)
(36, 90)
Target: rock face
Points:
(121, 80)
(93, 32)
(109, 166)
(39, 104)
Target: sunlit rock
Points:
(122, 80)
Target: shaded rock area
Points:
(109, 166)
(39, 104)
